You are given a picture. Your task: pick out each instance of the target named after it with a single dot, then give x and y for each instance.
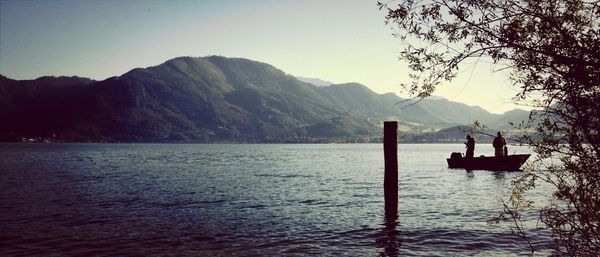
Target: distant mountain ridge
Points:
(215, 99)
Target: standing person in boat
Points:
(470, 147)
(500, 145)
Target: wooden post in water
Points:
(390, 179)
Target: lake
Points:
(251, 200)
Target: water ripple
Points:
(273, 200)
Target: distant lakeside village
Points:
(439, 137)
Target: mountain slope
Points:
(209, 99)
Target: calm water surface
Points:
(249, 200)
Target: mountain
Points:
(212, 99)
(16, 95)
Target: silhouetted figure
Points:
(500, 145)
(470, 147)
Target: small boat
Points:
(496, 163)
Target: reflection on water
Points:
(470, 174)
(388, 241)
(499, 175)
(246, 200)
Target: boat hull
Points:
(496, 163)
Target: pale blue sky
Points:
(335, 40)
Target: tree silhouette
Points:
(552, 51)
